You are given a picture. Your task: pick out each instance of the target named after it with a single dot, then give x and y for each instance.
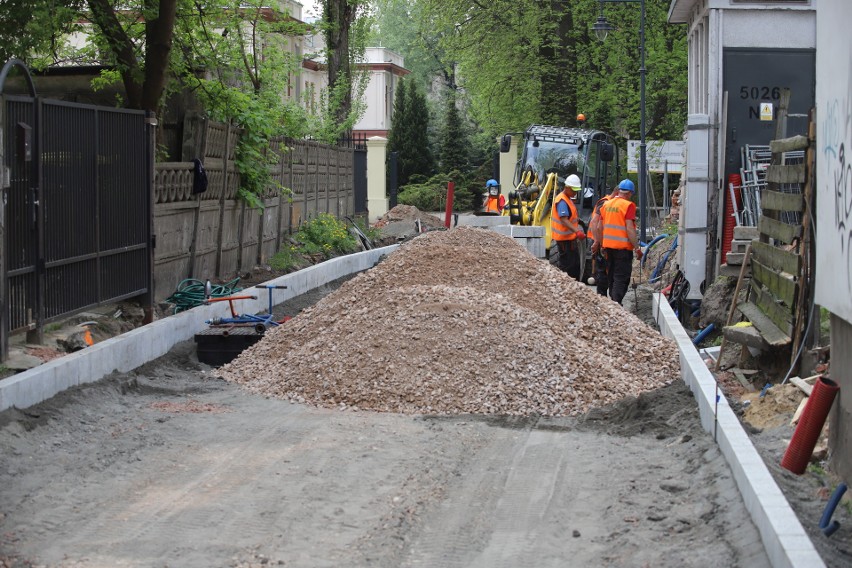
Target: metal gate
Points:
(78, 213)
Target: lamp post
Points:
(601, 29)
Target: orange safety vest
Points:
(614, 218)
(492, 204)
(559, 230)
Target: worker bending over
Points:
(619, 240)
(565, 227)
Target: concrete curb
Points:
(786, 542)
(135, 348)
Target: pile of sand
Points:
(460, 321)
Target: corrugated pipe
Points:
(810, 425)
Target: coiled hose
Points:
(191, 293)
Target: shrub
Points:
(323, 235)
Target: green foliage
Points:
(523, 62)
(824, 325)
(323, 236)
(36, 31)
(431, 194)
(815, 469)
(408, 136)
(454, 143)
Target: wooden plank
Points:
(798, 414)
(734, 301)
(789, 144)
(782, 287)
(744, 336)
(768, 330)
(777, 258)
(778, 229)
(799, 382)
(793, 173)
(808, 252)
(781, 316)
(743, 380)
(777, 201)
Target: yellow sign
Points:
(766, 111)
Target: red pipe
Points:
(810, 425)
(451, 189)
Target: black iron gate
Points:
(78, 210)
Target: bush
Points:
(325, 235)
(431, 195)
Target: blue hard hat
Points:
(491, 183)
(626, 185)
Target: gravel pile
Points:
(460, 321)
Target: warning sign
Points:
(766, 111)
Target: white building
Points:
(385, 68)
(741, 53)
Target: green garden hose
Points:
(191, 293)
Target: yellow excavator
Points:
(531, 202)
(548, 156)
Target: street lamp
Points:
(601, 29)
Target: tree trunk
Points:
(558, 82)
(121, 45)
(158, 39)
(338, 16)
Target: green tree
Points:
(409, 136)
(34, 31)
(527, 61)
(399, 119)
(454, 141)
(345, 26)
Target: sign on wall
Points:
(834, 167)
(661, 156)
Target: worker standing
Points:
(619, 239)
(494, 200)
(596, 231)
(565, 227)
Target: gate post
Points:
(377, 200)
(4, 186)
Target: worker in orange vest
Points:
(565, 227)
(494, 200)
(595, 230)
(619, 239)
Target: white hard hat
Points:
(573, 181)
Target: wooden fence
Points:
(215, 235)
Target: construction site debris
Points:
(456, 322)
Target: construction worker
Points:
(595, 229)
(619, 239)
(494, 200)
(565, 227)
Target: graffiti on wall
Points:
(835, 136)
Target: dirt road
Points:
(170, 466)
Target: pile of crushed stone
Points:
(456, 322)
(408, 213)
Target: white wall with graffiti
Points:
(834, 159)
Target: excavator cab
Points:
(548, 156)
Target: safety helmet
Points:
(573, 182)
(491, 182)
(626, 185)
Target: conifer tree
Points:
(454, 143)
(398, 119)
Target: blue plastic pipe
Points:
(704, 333)
(647, 248)
(826, 525)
